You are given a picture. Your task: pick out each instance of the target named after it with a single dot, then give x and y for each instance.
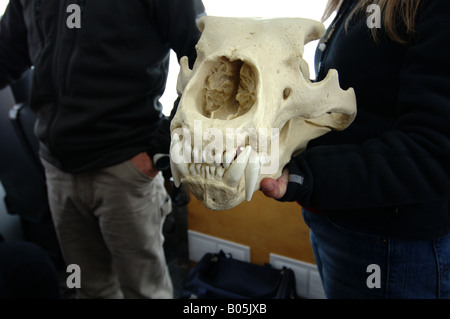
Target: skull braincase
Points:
(250, 77)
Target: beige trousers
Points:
(109, 223)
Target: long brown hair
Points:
(399, 16)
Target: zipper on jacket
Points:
(56, 86)
(69, 73)
(336, 24)
(37, 21)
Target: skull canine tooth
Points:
(229, 158)
(183, 169)
(251, 175)
(175, 174)
(235, 172)
(239, 150)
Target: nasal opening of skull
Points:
(230, 89)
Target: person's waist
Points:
(76, 161)
(420, 221)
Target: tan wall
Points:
(267, 226)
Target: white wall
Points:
(3, 4)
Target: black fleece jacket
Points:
(389, 172)
(96, 89)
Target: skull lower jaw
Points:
(214, 194)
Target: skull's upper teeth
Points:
(236, 163)
(178, 171)
(235, 172)
(240, 150)
(228, 158)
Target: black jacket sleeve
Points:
(14, 57)
(177, 23)
(409, 164)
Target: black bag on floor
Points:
(218, 276)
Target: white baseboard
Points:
(308, 282)
(307, 277)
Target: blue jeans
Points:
(355, 265)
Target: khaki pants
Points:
(109, 223)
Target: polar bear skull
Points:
(248, 105)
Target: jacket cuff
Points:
(299, 184)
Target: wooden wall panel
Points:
(267, 226)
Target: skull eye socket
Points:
(230, 89)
